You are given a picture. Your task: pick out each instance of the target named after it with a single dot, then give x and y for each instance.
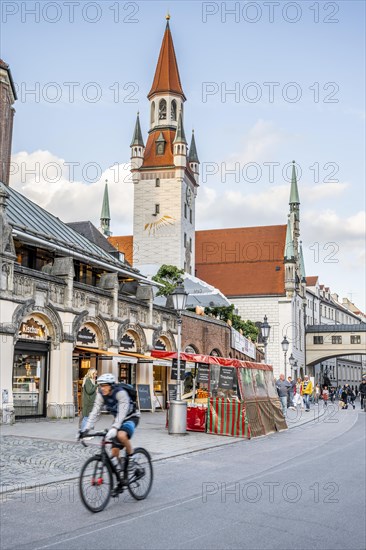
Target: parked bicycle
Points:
(100, 479)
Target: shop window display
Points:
(29, 379)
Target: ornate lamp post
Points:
(285, 345)
(292, 362)
(265, 330)
(178, 408)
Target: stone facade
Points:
(7, 98)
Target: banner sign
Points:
(226, 378)
(242, 344)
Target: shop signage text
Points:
(32, 329)
(175, 369)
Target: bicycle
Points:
(97, 476)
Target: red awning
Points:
(211, 359)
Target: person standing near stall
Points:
(88, 393)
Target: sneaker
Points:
(118, 489)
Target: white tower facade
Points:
(165, 180)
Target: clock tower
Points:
(165, 175)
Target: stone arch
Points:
(216, 352)
(49, 315)
(193, 347)
(127, 326)
(166, 336)
(99, 324)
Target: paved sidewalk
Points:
(45, 451)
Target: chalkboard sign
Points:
(175, 369)
(172, 392)
(226, 378)
(203, 373)
(144, 397)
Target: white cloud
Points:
(48, 180)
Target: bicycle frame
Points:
(103, 455)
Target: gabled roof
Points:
(105, 213)
(244, 261)
(167, 77)
(137, 134)
(311, 281)
(29, 219)
(192, 155)
(88, 230)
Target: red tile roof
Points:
(311, 281)
(151, 159)
(243, 261)
(167, 77)
(125, 245)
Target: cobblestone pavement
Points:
(41, 452)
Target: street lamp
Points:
(292, 362)
(178, 409)
(265, 330)
(285, 345)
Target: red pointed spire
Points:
(166, 77)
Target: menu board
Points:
(226, 378)
(144, 397)
(175, 369)
(172, 392)
(203, 373)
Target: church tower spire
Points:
(105, 216)
(165, 182)
(294, 203)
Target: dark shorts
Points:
(129, 426)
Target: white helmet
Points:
(106, 378)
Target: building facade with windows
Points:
(324, 308)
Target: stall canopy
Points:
(210, 359)
(242, 399)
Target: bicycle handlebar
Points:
(102, 433)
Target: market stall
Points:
(230, 397)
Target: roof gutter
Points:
(108, 267)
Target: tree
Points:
(169, 276)
(248, 328)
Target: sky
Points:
(266, 83)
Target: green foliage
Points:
(227, 313)
(169, 276)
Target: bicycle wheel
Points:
(95, 484)
(140, 474)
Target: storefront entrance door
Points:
(30, 375)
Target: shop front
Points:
(31, 368)
(127, 365)
(161, 369)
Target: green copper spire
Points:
(294, 193)
(192, 156)
(137, 135)
(302, 265)
(289, 246)
(180, 136)
(105, 216)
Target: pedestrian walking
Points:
(351, 396)
(362, 391)
(325, 395)
(298, 400)
(344, 398)
(317, 393)
(307, 390)
(291, 392)
(88, 393)
(283, 387)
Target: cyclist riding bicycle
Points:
(116, 400)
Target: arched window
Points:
(152, 114)
(173, 110)
(162, 109)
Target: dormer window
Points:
(160, 144)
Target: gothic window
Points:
(185, 210)
(173, 110)
(157, 182)
(190, 215)
(185, 240)
(152, 114)
(162, 109)
(157, 208)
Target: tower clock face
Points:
(189, 196)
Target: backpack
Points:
(111, 403)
